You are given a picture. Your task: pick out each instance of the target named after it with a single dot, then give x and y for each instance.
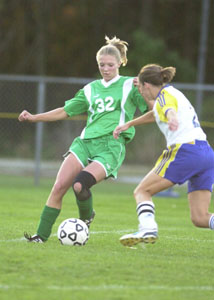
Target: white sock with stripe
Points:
(146, 215)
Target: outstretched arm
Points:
(53, 115)
(144, 119)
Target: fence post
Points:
(39, 131)
(202, 55)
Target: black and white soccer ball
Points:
(73, 232)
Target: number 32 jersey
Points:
(189, 128)
(108, 104)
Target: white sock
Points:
(146, 215)
(211, 222)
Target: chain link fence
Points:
(41, 145)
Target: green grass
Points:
(178, 266)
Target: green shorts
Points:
(105, 150)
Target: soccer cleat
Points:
(148, 237)
(35, 238)
(88, 222)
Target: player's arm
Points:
(53, 115)
(172, 118)
(144, 119)
(168, 111)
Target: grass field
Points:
(178, 266)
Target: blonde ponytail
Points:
(115, 47)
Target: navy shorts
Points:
(192, 162)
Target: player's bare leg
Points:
(199, 203)
(67, 172)
(148, 229)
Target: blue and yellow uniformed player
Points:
(95, 154)
(188, 156)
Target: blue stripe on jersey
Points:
(161, 100)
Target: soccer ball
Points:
(73, 232)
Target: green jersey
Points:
(108, 104)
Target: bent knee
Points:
(139, 191)
(59, 187)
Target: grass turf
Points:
(178, 266)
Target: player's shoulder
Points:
(127, 82)
(172, 92)
(167, 92)
(92, 83)
(170, 89)
(127, 77)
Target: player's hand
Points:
(173, 124)
(172, 119)
(119, 129)
(136, 81)
(25, 116)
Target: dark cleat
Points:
(88, 222)
(34, 239)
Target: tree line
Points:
(61, 37)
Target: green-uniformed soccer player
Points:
(95, 154)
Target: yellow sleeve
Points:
(164, 102)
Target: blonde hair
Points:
(114, 47)
(156, 74)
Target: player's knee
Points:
(59, 188)
(136, 192)
(82, 184)
(140, 193)
(77, 187)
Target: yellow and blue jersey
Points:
(189, 128)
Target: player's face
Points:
(145, 91)
(108, 66)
